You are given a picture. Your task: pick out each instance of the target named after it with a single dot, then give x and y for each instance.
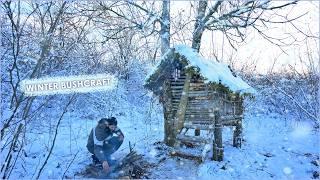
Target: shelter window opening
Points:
(176, 72)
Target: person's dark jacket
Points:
(102, 134)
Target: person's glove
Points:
(105, 166)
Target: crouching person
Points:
(104, 140)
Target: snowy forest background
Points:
(274, 46)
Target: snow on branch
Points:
(234, 18)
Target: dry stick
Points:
(55, 136)
(130, 148)
(74, 157)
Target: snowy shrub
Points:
(288, 94)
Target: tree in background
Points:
(232, 18)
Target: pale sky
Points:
(255, 50)
(258, 50)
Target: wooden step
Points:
(199, 113)
(200, 121)
(207, 107)
(186, 155)
(231, 117)
(207, 122)
(200, 103)
(199, 126)
(193, 95)
(192, 139)
(199, 116)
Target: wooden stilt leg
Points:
(217, 146)
(197, 132)
(237, 135)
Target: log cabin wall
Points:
(203, 99)
(231, 104)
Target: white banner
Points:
(68, 84)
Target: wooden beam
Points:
(231, 117)
(186, 155)
(198, 113)
(199, 126)
(237, 134)
(169, 135)
(192, 139)
(233, 122)
(183, 104)
(217, 146)
(237, 138)
(207, 122)
(197, 132)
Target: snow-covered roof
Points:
(211, 70)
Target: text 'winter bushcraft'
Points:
(64, 85)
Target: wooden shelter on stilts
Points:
(198, 95)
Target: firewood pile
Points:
(132, 166)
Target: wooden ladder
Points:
(213, 141)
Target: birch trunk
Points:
(169, 136)
(199, 25)
(165, 27)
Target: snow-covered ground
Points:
(271, 150)
(272, 147)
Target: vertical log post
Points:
(237, 133)
(217, 145)
(169, 135)
(183, 104)
(197, 132)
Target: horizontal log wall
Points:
(202, 100)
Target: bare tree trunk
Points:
(44, 54)
(199, 25)
(47, 43)
(165, 27)
(169, 137)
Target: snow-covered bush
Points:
(292, 95)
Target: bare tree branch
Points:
(55, 135)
